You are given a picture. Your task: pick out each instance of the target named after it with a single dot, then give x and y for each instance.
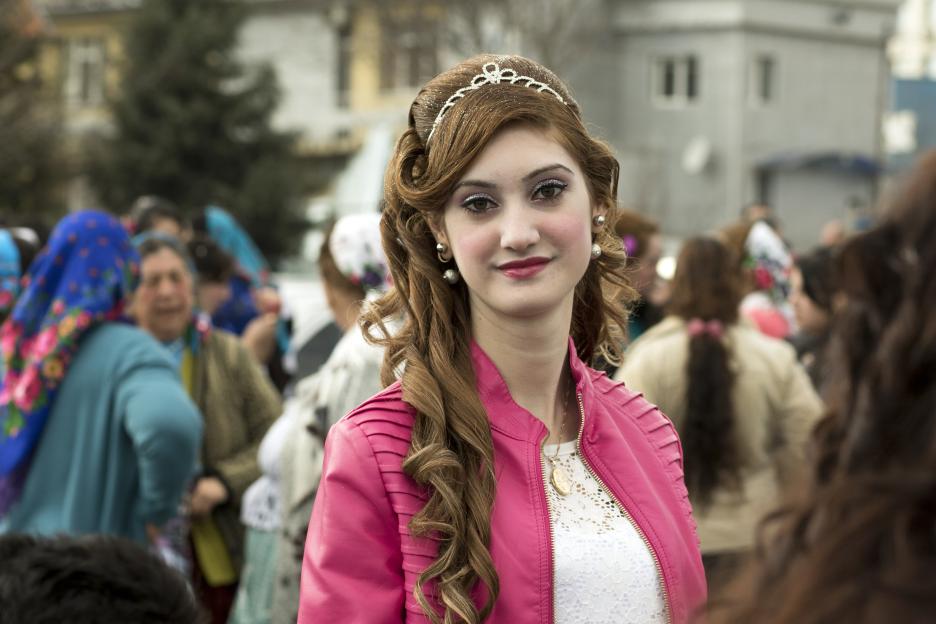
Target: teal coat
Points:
(120, 446)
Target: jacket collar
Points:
(504, 413)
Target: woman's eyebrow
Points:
(526, 178)
(481, 183)
(542, 170)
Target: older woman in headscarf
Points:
(97, 434)
(237, 401)
(277, 508)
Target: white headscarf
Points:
(355, 245)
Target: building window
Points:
(409, 57)
(84, 81)
(762, 80)
(676, 80)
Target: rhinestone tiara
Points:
(491, 73)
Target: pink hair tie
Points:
(713, 328)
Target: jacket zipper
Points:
(591, 471)
(552, 533)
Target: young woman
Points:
(743, 405)
(857, 544)
(502, 479)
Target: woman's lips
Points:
(523, 269)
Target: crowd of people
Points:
(516, 418)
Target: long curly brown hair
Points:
(859, 545)
(451, 452)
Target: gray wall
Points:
(830, 94)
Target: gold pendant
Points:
(560, 481)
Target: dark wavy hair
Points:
(858, 544)
(451, 450)
(707, 286)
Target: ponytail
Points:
(709, 451)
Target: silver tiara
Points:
(491, 73)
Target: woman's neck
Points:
(531, 355)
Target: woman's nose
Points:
(165, 288)
(519, 228)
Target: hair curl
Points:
(707, 285)
(857, 545)
(451, 451)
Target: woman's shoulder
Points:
(122, 342)
(622, 401)
(386, 409)
(752, 343)
(385, 421)
(668, 332)
(632, 412)
(353, 350)
(223, 341)
(227, 350)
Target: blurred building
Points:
(913, 47)
(341, 70)
(710, 105)
(910, 127)
(713, 105)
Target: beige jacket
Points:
(776, 408)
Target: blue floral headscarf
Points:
(82, 278)
(10, 272)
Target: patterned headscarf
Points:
(10, 272)
(355, 245)
(770, 260)
(81, 278)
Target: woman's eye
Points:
(550, 189)
(478, 203)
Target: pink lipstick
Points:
(523, 269)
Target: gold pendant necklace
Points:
(558, 477)
(560, 480)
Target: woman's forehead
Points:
(163, 260)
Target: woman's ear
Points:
(437, 227)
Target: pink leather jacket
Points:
(361, 563)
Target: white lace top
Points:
(605, 573)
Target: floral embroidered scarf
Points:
(82, 278)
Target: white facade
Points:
(913, 48)
(301, 43)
